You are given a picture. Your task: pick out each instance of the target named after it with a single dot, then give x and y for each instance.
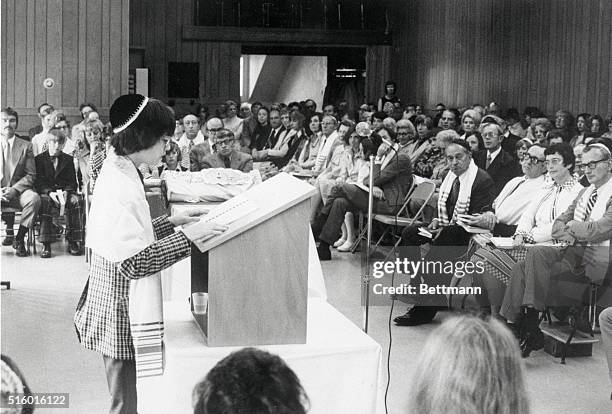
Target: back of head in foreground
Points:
(469, 366)
(250, 381)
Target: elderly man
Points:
(225, 156)
(329, 142)
(392, 181)
(18, 174)
(499, 164)
(204, 149)
(560, 276)
(465, 191)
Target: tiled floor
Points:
(37, 332)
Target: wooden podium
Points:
(256, 273)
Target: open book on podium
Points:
(256, 273)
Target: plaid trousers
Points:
(74, 218)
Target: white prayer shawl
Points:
(596, 255)
(119, 227)
(466, 181)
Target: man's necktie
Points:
(489, 159)
(54, 161)
(227, 162)
(590, 204)
(452, 198)
(6, 168)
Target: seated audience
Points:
(55, 173)
(513, 121)
(172, 160)
(193, 136)
(470, 121)
(226, 155)
(555, 136)
(93, 153)
(377, 120)
(564, 122)
(582, 126)
(432, 162)
(39, 141)
(231, 120)
(306, 154)
(327, 179)
(296, 140)
(525, 206)
(449, 119)
(475, 142)
(469, 366)
(466, 189)
(500, 165)
(551, 275)
(78, 131)
(18, 174)
(392, 181)
(540, 128)
(329, 142)
(275, 139)
(597, 125)
(42, 110)
(250, 381)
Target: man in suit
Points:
(392, 181)
(225, 157)
(560, 276)
(500, 165)
(18, 173)
(277, 135)
(466, 189)
(55, 173)
(192, 137)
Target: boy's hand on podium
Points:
(189, 216)
(202, 231)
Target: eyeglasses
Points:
(215, 129)
(593, 164)
(227, 142)
(554, 161)
(531, 159)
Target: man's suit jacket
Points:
(503, 168)
(24, 167)
(395, 179)
(509, 144)
(49, 179)
(591, 231)
(238, 161)
(483, 193)
(274, 138)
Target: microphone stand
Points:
(366, 277)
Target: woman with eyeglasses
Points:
(525, 210)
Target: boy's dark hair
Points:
(154, 122)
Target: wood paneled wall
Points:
(81, 44)
(548, 53)
(156, 26)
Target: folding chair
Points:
(422, 191)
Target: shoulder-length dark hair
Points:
(154, 122)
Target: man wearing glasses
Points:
(226, 155)
(561, 276)
(500, 165)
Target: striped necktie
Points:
(489, 159)
(590, 204)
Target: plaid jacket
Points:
(101, 319)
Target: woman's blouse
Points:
(535, 225)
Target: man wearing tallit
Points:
(119, 313)
(560, 276)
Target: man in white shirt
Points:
(329, 142)
(191, 137)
